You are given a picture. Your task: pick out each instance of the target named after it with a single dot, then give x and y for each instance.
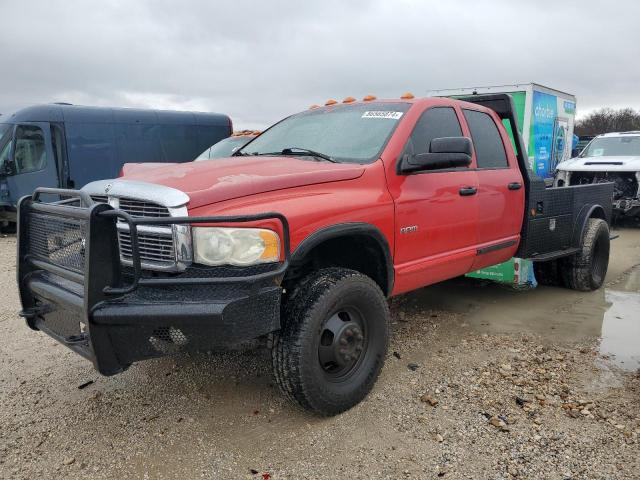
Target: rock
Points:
(68, 461)
(584, 411)
(413, 366)
(95, 395)
(439, 438)
(499, 423)
(426, 398)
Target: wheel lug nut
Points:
(343, 341)
(348, 332)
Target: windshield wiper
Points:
(306, 151)
(292, 151)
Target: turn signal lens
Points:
(368, 98)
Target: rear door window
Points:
(487, 141)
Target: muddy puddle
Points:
(621, 322)
(611, 314)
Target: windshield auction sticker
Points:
(382, 114)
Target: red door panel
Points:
(436, 228)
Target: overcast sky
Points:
(261, 60)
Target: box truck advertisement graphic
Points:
(545, 120)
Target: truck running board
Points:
(553, 255)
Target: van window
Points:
(436, 122)
(486, 140)
(30, 153)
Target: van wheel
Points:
(587, 269)
(333, 340)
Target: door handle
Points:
(515, 186)
(466, 191)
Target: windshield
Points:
(613, 147)
(345, 133)
(224, 148)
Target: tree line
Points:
(608, 120)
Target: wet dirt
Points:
(611, 314)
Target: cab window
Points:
(486, 140)
(30, 152)
(436, 122)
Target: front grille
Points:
(140, 208)
(156, 247)
(100, 198)
(58, 240)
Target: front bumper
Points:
(74, 288)
(627, 207)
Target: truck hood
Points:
(601, 164)
(212, 181)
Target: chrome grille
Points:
(100, 198)
(155, 243)
(140, 208)
(153, 246)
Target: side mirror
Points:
(444, 152)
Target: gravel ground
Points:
(481, 382)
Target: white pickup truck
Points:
(611, 157)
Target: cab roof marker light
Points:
(331, 101)
(314, 106)
(407, 96)
(349, 100)
(369, 98)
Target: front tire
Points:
(586, 270)
(333, 340)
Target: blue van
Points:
(68, 146)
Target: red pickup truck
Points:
(300, 237)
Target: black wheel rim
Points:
(343, 343)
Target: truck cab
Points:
(300, 238)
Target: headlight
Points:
(235, 246)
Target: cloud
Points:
(259, 61)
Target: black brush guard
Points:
(74, 288)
